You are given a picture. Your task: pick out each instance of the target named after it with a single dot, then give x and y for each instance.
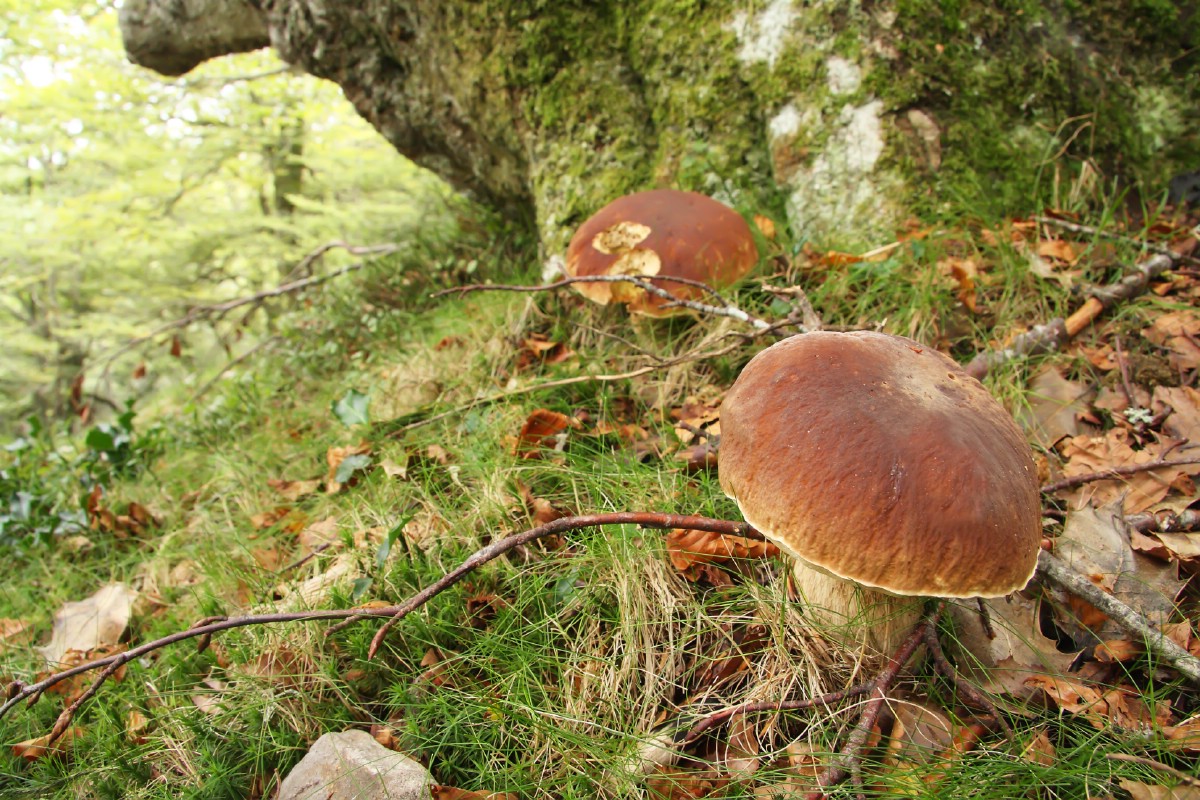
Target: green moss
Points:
(1017, 85)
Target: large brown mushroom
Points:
(662, 232)
(886, 471)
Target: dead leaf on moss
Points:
(1055, 404)
(14, 633)
(687, 548)
(1086, 454)
(85, 625)
(543, 429)
(294, 490)
(319, 534)
(41, 747)
(334, 457)
(964, 272)
(1178, 332)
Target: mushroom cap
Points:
(880, 461)
(660, 232)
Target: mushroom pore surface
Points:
(880, 461)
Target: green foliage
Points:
(44, 477)
(126, 199)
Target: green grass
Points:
(552, 666)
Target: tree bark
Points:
(837, 119)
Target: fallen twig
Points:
(973, 695)
(407, 423)
(218, 310)
(1190, 780)
(1088, 230)
(1056, 572)
(716, 718)
(726, 309)
(1052, 335)
(1114, 472)
(18, 692)
(502, 546)
(849, 760)
(1164, 521)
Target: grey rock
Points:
(353, 766)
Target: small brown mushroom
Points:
(662, 232)
(885, 471)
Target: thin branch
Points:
(1056, 572)
(1190, 780)
(1088, 230)
(1115, 472)
(1052, 335)
(849, 760)
(826, 699)
(695, 355)
(973, 695)
(211, 382)
(502, 546)
(723, 310)
(218, 310)
(19, 692)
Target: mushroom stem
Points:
(858, 617)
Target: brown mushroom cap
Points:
(877, 459)
(661, 232)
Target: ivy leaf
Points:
(385, 547)
(360, 588)
(349, 466)
(351, 409)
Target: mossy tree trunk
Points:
(836, 118)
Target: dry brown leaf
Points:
(1015, 651)
(334, 457)
(1179, 332)
(395, 470)
(919, 734)
(964, 272)
(319, 534)
(137, 725)
(1184, 420)
(1090, 454)
(39, 748)
(741, 750)
(670, 783)
(694, 414)
(543, 428)
(1093, 543)
(84, 625)
(687, 548)
(1146, 791)
(1040, 750)
(265, 519)
(1055, 404)
(314, 591)
(1059, 250)
(440, 792)
(294, 490)
(14, 633)
(1125, 708)
(1118, 650)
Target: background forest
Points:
(130, 200)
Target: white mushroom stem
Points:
(854, 615)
